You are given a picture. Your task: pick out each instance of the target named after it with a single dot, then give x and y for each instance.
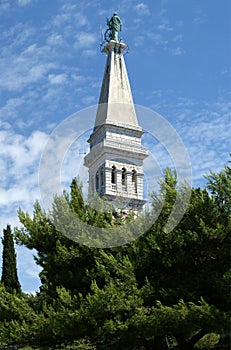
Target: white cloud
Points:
(24, 2)
(70, 169)
(85, 40)
(164, 22)
(13, 195)
(80, 19)
(70, 15)
(78, 78)
(164, 25)
(10, 110)
(57, 78)
(19, 165)
(55, 39)
(178, 38)
(139, 40)
(27, 67)
(158, 39)
(178, 51)
(206, 137)
(142, 9)
(16, 36)
(20, 156)
(204, 127)
(200, 17)
(89, 100)
(28, 270)
(89, 53)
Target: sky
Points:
(51, 67)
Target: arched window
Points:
(113, 175)
(101, 177)
(97, 181)
(134, 179)
(124, 177)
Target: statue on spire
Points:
(114, 26)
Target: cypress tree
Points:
(9, 266)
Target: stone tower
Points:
(115, 160)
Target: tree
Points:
(188, 269)
(9, 266)
(164, 290)
(65, 262)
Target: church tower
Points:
(115, 160)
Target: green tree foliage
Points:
(166, 290)
(16, 317)
(9, 264)
(189, 263)
(64, 262)
(219, 185)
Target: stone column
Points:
(139, 179)
(108, 184)
(119, 180)
(129, 183)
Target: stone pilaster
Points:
(119, 181)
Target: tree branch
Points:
(197, 337)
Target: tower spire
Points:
(115, 160)
(116, 102)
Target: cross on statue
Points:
(114, 26)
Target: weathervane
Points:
(114, 26)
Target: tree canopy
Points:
(164, 290)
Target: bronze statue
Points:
(114, 26)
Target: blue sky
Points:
(179, 64)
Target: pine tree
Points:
(9, 268)
(163, 289)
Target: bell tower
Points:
(115, 160)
